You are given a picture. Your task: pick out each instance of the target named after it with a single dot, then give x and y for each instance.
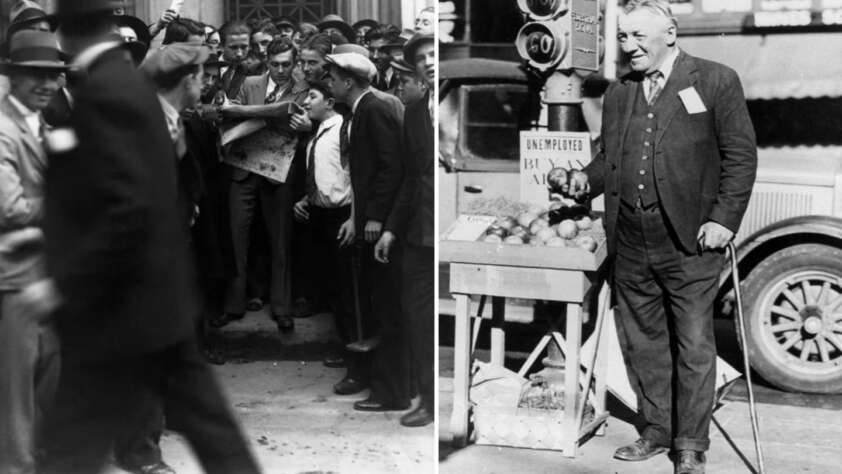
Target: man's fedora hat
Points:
(371, 23)
(32, 49)
(413, 44)
(25, 13)
(335, 21)
(70, 9)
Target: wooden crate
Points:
(559, 258)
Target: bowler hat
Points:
(335, 21)
(355, 63)
(32, 49)
(412, 45)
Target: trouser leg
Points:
(418, 303)
(277, 202)
(242, 200)
(29, 367)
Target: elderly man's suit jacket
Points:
(376, 168)
(23, 163)
(116, 241)
(704, 163)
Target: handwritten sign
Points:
(266, 152)
(469, 228)
(542, 151)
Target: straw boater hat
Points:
(335, 21)
(32, 49)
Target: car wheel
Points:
(793, 310)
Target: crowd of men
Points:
(150, 196)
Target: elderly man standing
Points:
(677, 165)
(117, 250)
(29, 353)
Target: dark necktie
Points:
(226, 80)
(275, 95)
(344, 140)
(310, 175)
(654, 86)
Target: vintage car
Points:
(789, 245)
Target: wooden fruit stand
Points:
(562, 274)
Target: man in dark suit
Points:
(411, 221)
(117, 251)
(236, 38)
(677, 165)
(252, 194)
(375, 178)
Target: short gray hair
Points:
(657, 7)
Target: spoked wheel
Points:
(793, 304)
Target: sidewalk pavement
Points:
(283, 397)
(794, 439)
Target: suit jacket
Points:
(23, 164)
(116, 241)
(704, 163)
(233, 78)
(376, 168)
(253, 92)
(412, 217)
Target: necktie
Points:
(654, 86)
(345, 140)
(310, 175)
(226, 80)
(276, 93)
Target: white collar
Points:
(357, 102)
(90, 54)
(668, 64)
(328, 123)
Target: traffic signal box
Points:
(560, 35)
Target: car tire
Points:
(793, 299)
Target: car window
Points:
(494, 114)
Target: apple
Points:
(555, 242)
(557, 179)
(537, 225)
(536, 241)
(506, 223)
(497, 230)
(526, 218)
(586, 242)
(544, 235)
(584, 223)
(518, 231)
(567, 229)
(492, 238)
(535, 209)
(513, 240)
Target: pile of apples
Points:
(533, 228)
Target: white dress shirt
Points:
(333, 182)
(665, 70)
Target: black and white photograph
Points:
(217, 236)
(640, 247)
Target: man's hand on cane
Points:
(713, 235)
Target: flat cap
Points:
(355, 63)
(174, 56)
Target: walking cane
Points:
(361, 345)
(741, 325)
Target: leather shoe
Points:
(285, 323)
(349, 386)
(373, 404)
(254, 304)
(688, 461)
(159, 467)
(417, 417)
(640, 450)
(335, 362)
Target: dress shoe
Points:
(285, 323)
(254, 304)
(335, 362)
(640, 450)
(302, 308)
(417, 417)
(159, 467)
(373, 404)
(349, 386)
(222, 319)
(688, 461)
